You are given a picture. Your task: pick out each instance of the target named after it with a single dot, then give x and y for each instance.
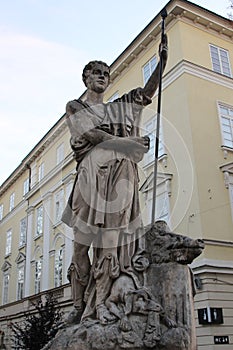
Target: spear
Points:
(163, 15)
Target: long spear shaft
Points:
(163, 15)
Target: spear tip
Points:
(163, 13)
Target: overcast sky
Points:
(44, 45)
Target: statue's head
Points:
(96, 75)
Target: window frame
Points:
(26, 184)
(12, 201)
(58, 267)
(38, 274)
(8, 248)
(1, 211)
(163, 210)
(228, 117)
(60, 153)
(5, 288)
(231, 197)
(59, 199)
(39, 222)
(20, 286)
(151, 67)
(149, 156)
(22, 242)
(220, 60)
(41, 171)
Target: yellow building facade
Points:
(195, 173)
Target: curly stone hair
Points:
(90, 66)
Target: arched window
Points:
(38, 270)
(6, 280)
(58, 267)
(58, 248)
(20, 261)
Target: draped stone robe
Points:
(105, 192)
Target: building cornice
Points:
(198, 71)
(212, 266)
(177, 10)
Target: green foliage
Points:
(38, 327)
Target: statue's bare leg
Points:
(107, 270)
(78, 273)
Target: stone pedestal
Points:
(172, 286)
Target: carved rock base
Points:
(91, 335)
(161, 319)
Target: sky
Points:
(44, 45)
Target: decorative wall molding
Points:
(20, 258)
(227, 170)
(6, 266)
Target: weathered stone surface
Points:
(171, 283)
(92, 334)
(158, 316)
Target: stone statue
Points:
(103, 208)
(138, 291)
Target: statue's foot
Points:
(104, 315)
(74, 317)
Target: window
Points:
(41, 172)
(220, 60)
(60, 153)
(150, 130)
(148, 68)
(69, 187)
(1, 211)
(38, 270)
(8, 242)
(59, 205)
(39, 221)
(58, 268)
(162, 204)
(161, 207)
(231, 197)
(226, 120)
(113, 97)
(20, 283)
(12, 201)
(6, 279)
(23, 232)
(26, 186)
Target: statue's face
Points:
(97, 79)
